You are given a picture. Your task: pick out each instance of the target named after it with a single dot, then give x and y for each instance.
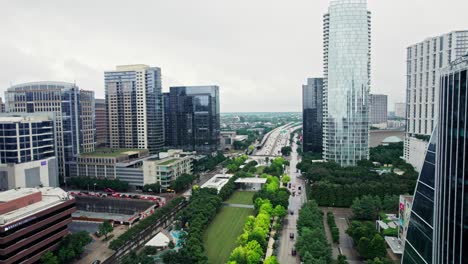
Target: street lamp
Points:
(94, 187)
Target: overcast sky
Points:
(259, 52)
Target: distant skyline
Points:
(258, 52)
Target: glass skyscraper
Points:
(347, 59)
(74, 108)
(438, 228)
(193, 118)
(312, 115)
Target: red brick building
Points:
(32, 221)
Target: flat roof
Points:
(217, 181)
(251, 180)
(50, 197)
(159, 240)
(107, 152)
(395, 244)
(167, 162)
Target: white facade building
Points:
(400, 110)
(424, 60)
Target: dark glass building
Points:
(438, 229)
(312, 115)
(193, 118)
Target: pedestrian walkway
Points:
(271, 241)
(239, 205)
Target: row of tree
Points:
(312, 243)
(202, 208)
(208, 163)
(235, 163)
(276, 167)
(273, 192)
(252, 243)
(370, 244)
(368, 207)
(132, 232)
(335, 232)
(98, 184)
(70, 248)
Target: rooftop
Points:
(251, 180)
(107, 152)
(167, 162)
(50, 198)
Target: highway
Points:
(277, 138)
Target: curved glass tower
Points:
(347, 53)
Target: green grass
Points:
(221, 235)
(108, 152)
(167, 162)
(241, 198)
(260, 169)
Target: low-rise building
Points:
(27, 150)
(122, 164)
(227, 139)
(32, 222)
(167, 169)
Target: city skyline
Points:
(195, 51)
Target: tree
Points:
(286, 151)
(105, 228)
(379, 261)
(49, 258)
(342, 260)
(171, 244)
(279, 211)
(271, 260)
(366, 208)
(153, 187)
(377, 247)
(363, 248)
(285, 179)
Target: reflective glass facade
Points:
(438, 229)
(193, 118)
(74, 109)
(312, 115)
(451, 221)
(347, 52)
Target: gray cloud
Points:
(259, 52)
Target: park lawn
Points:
(220, 237)
(241, 198)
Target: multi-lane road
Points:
(295, 203)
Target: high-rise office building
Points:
(378, 109)
(424, 60)
(2, 106)
(27, 150)
(134, 107)
(167, 124)
(346, 85)
(74, 110)
(312, 115)
(438, 228)
(400, 110)
(101, 123)
(194, 118)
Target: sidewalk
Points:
(271, 241)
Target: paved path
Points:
(271, 241)
(239, 205)
(295, 204)
(346, 242)
(335, 250)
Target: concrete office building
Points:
(32, 222)
(312, 115)
(27, 150)
(438, 228)
(135, 107)
(168, 169)
(74, 111)
(123, 164)
(346, 84)
(424, 60)
(378, 110)
(2, 106)
(101, 123)
(194, 118)
(400, 110)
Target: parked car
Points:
(299, 188)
